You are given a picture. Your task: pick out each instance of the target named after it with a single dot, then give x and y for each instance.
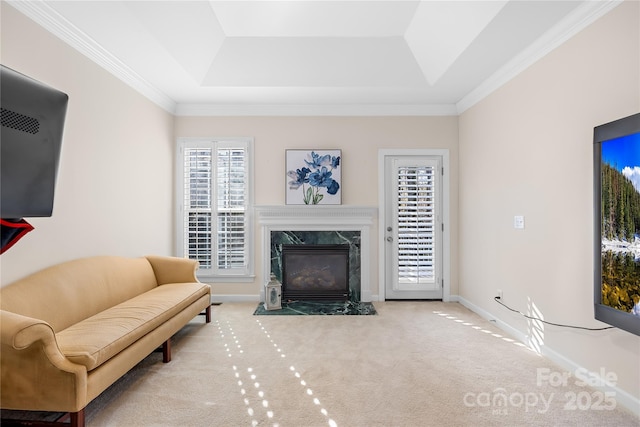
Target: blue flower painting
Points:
(313, 177)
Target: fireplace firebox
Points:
(315, 272)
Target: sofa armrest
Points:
(34, 372)
(20, 332)
(173, 269)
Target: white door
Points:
(413, 227)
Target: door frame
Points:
(383, 154)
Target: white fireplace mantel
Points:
(321, 218)
(316, 215)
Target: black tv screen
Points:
(33, 116)
(617, 223)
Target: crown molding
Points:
(579, 19)
(315, 110)
(47, 17)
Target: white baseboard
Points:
(452, 298)
(622, 397)
(220, 298)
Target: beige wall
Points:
(359, 138)
(114, 188)
(527, 150)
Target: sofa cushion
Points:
(95, 340)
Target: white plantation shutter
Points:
(214, 226)
(197, 206)
(416, 224)
(231, 190)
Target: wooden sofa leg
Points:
(207, 315)
(166, 351)
(77, 418)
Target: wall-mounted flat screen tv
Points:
(617, 223)
(33, 116)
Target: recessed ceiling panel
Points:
(314, 62)
(189, 31)
(442, 30)
(314, 18)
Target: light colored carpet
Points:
(415, 364)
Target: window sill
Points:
(226, 279)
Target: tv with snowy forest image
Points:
(617, 223)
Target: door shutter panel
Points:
(417, 220)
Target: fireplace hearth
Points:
(315, 272)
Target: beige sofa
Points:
(70, 331)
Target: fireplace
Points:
(315, 272)
(321, 225)
(342, 239)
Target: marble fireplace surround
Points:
(323, 218)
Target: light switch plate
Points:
(518, 222)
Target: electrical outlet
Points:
(499, 293)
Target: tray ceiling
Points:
(315, 57)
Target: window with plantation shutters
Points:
(215, 206)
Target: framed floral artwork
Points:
(313, 177)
